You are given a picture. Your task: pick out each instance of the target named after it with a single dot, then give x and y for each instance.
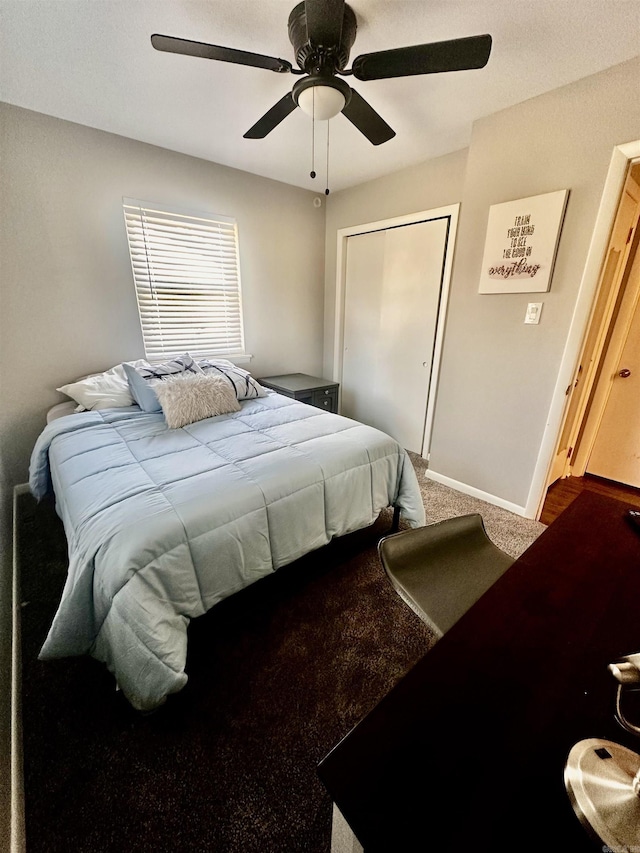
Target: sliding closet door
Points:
(392, 297)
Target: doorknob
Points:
(624, 373)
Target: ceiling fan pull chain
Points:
(326, 192)
(313, 137)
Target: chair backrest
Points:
(442, 569)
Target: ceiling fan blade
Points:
(214, 51)
(272, 118)
(455, 55)
(324, 21)
(366, 119)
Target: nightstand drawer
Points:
(326, 399)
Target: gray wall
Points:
(498, 375)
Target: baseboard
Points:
(18, 837)
(477, 493)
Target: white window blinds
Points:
(187, 279)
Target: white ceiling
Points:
(91, 62)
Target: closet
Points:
(394, 287)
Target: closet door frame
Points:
(451, 213)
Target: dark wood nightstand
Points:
(312, 390)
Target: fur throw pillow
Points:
(189, 397)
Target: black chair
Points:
(442, 569)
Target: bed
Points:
(163, 523)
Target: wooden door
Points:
(580, 392)
(616, 450)
(392, 299)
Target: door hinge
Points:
(574, 384)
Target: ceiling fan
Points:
(322, 33)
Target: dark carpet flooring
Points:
(278, 674)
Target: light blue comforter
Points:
(162, 524)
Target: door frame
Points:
(450, 212)
(587, 293)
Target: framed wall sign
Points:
(521, 244)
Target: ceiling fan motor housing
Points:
(321, 59)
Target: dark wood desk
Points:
(467, 751)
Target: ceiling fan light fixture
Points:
(320, 97)
(321, 102)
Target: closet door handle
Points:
(624, 373)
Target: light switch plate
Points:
(534, 309)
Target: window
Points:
(187, 279)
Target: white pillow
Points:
(189, 397)
(108, 390)
(244, 385)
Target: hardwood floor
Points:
(563, 492)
